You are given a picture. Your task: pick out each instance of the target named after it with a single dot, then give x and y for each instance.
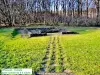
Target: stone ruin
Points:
(31, 32)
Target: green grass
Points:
(81, 30)
(81, 52)
(21, 52)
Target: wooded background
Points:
(49, 12)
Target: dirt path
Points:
(53, 60)
(48, 59)
(53, 55)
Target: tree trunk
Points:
(97, 21)
(78, 8)
(87, 7)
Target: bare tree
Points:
(26, 12)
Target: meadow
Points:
(21, 52)
(82, 52)
(78, 53)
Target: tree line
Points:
(49, 12)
